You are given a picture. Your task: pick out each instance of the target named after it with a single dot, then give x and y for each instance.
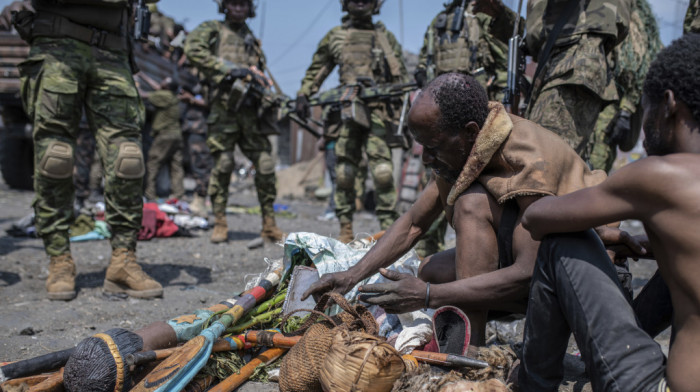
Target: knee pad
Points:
(383, 176)
(345, 177)
(226, 162)
(129, 165)
(57, 162)
(265, 164)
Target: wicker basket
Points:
(299, 371)
(360, 362)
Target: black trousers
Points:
(575, 289)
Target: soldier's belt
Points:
(50, 25)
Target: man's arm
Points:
(630, 193)
(199, 53)
(399, 239)
(321, 66)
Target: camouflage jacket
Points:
(203, 44)
(634, 55)
(355, 57)
(607, 18)
(691, 24)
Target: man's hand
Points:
(405, 293)
(17, 6)
(302, 106)
(240, 73)
(339, 282)
(421, 77)
(622, 243)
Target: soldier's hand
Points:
(6, 15)
(622, 128)
(240, 73)
(302, 106)
(488, 7)
(421, 77)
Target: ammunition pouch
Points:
(394, 139)
(355, 113)
(269, 116)
(332, 121)
(51, 25)
(241, 93)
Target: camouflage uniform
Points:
(201, 162)
(576, 82)
(84, 158)
(631, 61)
(215, 48)
(691, 24)
(60, 78)
(481, 48)
(167, 146)
(356, 48)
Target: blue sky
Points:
(291, 29)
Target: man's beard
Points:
(446, 174)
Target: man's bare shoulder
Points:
(652, 173)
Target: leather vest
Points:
(457, 53)
(239, 47)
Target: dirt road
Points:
(194, 272)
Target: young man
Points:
(489, 167)
(574, 288)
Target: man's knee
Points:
(225, 163)
(384, 176)
(129, 164)
(345, 176)
(57, 162)
(265, 164)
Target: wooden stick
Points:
(235, 380)
(53, 383)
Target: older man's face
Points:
(446, 154)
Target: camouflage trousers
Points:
(227, 130)
(84, 158)
(351, 142)
(166, 149)
(570, 111)
(60, 78)
(201, 162)
(603, 154)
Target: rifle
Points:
(516, 68)
(366, 94)
(142, 25)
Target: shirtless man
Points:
(573, 287)
(490, 166)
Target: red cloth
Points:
(155, 223)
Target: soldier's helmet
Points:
(377, 6)
(222, 10)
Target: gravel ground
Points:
(194, 273)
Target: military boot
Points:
(270, 231)
(346, 234)
(124, 275)
(60, 285)
(220, 232)
(198, 207)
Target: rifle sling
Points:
(394, 65)
(547, 52)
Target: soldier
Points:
(167, 146)
(362, 50)
(570, 40)
(225, 52)
(631, 61)
(79, 59)
(476, 45)
(691, 24)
